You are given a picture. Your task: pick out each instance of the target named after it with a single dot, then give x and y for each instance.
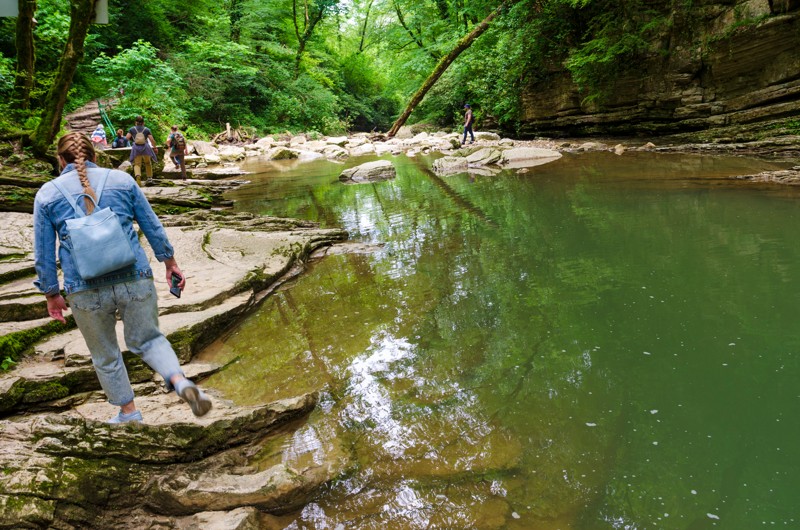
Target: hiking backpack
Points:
(178, 142)
(140, 138)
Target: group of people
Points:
(144, 149)
(128, 292)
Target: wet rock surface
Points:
(68, 470)
(790, 177)
(63, 466)
(369, 172)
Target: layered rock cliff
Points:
(723, 72)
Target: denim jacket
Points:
(51, 211)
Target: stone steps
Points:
(86, 118)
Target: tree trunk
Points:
(464, 43)
(235, 15)
(310, 20)
(81, 15)
(364, 27)
(26, 56)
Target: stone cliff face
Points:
(721, 72)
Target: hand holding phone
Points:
(174, 289)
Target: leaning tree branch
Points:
(463, 43)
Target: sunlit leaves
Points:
(150, 86)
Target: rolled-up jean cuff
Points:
(168, 383)
(121, 402)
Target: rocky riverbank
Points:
(63, 467)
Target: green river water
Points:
(600, 342)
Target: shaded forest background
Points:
(329, 66)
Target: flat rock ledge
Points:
(790, 177)
(63, 467)
(166, 196)
(74, 471)
(501, 156)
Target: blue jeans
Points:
(95, 314)
(468, 129)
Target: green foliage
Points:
(364, 95)
(612, 38)
(151, 87)
(6, 78)
(304, 104)
(222, 81)
(203, 64)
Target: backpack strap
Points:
(101, 186)
(78, 210)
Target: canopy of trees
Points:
(309, 65)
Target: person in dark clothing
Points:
(120, 140)
(468, 121)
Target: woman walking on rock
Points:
(129, 291)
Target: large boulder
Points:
(484, 157)
(381, 148)
(363, 149)
(305, 155)
(204, 148)
(527, 157)
(355, 141)
(281, 153)
(335, 152)
(116, 156)
(404, 132)
(337, 140)
(315, 145)
(266, 142)
(489, 136)
(369, 172)
(450, 164)
(231, 153)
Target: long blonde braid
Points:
(76, 148)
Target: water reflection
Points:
(602, 342)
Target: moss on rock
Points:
(46, 392)
(15, 344)
(16, 199)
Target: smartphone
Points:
(174, 289)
